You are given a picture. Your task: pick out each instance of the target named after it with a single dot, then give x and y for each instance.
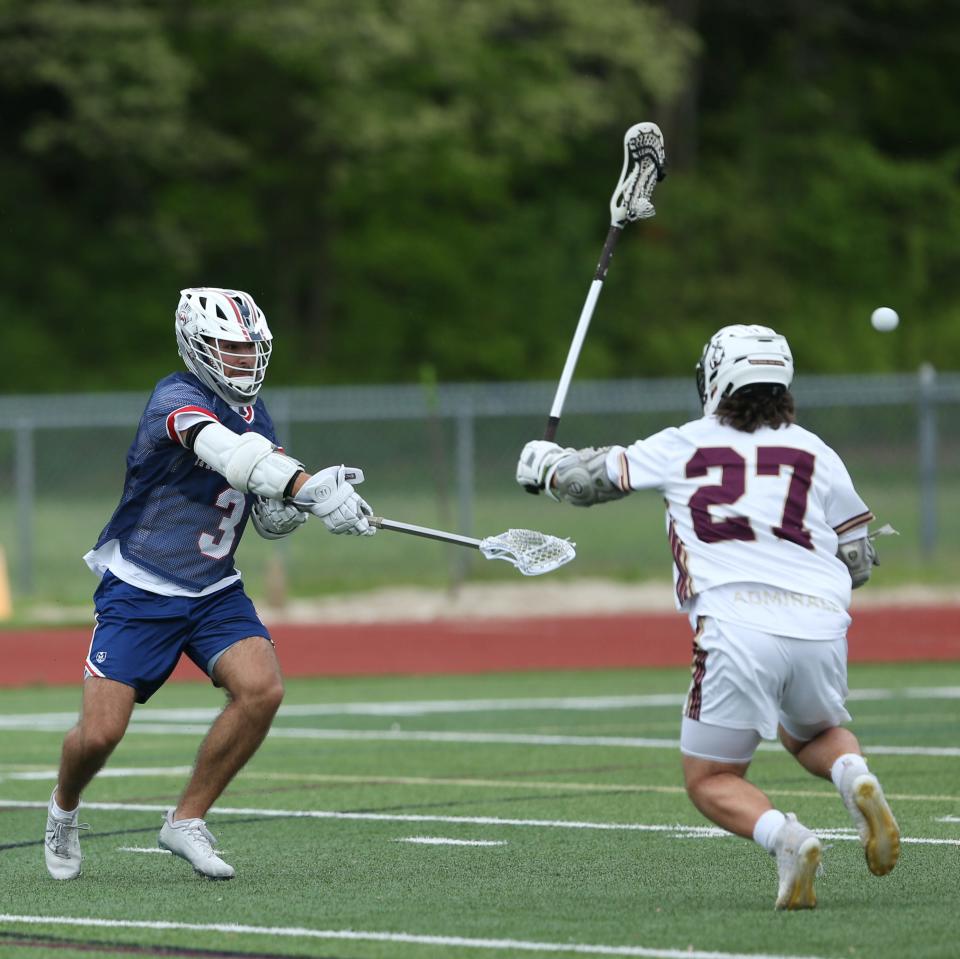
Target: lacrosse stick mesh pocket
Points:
(531, 552)
(645, 166)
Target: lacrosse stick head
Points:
(531, 552)
(644, 166)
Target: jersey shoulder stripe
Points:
(860, 520)
(201, 412)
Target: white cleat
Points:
(879, 832)
(798, 859)
(191, 840)
(61, 844)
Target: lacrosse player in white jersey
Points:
(204, 460)
(768, 537)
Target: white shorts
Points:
(751, 682)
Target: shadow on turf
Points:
(30, 941)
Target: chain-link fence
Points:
(444, 456)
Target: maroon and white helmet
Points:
(739, 355)
(205, 314)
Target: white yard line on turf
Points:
(165, 852)
(443, 841)
(138, 772)
(516, 739)
(55, 722)
(123, 772)
(677, 831)
(464, 942)
(452, 706)
(447, 736)
(430, 706)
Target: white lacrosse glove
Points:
(274, 520)
(330, 495)
(538, 462)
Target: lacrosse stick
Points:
(531, 552)
(644, 165)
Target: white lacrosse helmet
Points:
(738, 356)
(205, 314)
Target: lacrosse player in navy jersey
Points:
(204, 460)
(768, 537)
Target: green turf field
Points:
(559, 800)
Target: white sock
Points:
(61, 813)
(847, 761)
(767, 827)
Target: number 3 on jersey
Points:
(219, 544)
(733, 484)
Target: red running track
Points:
(878, 634)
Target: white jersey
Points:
(754, 521)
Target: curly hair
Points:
(761, 404)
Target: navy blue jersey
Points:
(177, 517)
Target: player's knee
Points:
(261, 695)
(790, 743)
(698, 774)
(700, 779)
(692, 783)
(103, 739)
(273, 695)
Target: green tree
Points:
(410, 182)
(355, 165)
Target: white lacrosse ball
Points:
(883, 319)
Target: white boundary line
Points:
(464, 942)
(50, 773)
(148, 714)
(677, 831)
(444, 841)
(444, 736)
(120, 772)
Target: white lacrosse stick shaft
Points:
(425, 531)
(626, 205)
(580, 334)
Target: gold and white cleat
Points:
(798, 854)
(879, 832)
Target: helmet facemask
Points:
(208, 321)
(240, 372)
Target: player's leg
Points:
(104, 715)
(813, 707)
(732, 703)
(250, 673)
(232, 645)
(818, 753)
(134, 647)
(718, 789)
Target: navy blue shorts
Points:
(140, 636)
